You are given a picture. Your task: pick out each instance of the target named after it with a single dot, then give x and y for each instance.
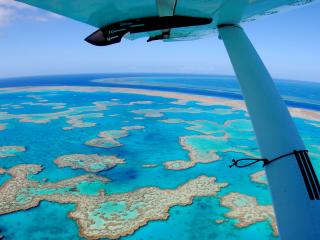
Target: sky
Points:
(37, 42)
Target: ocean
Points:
(162, 142)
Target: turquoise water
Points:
(47, 221)
(157, 143)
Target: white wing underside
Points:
(100, 13)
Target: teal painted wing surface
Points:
(100, 13)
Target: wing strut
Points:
(293, 183)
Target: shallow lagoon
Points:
(156, 144)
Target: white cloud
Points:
(5, 16)
(11, 10)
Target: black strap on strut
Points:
(307, 171)
(265, 161)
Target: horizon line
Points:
(147, 73)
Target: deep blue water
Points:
(300, 94)
(46, 142)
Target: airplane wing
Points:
(181, 19)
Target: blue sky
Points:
(36, 42)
